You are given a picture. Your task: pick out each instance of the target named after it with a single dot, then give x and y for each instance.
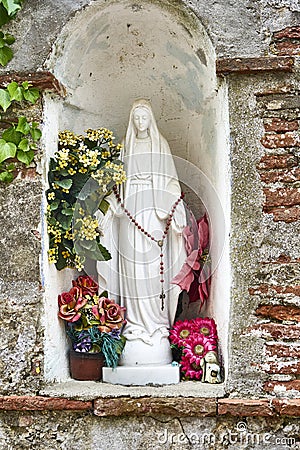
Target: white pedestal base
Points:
(137, 353)
(142, 375)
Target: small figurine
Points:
(210, 368)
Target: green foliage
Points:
(81, 175)
(18, 142)
(6, 53)
(8, 11)
(11, 6)
(5, 100)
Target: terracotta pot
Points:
(86, 366)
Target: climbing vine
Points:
(8, 11)
(18, 140)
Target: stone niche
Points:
(110, 54)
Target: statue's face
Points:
(210, 357)
(141, 119)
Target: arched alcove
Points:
(108, 55)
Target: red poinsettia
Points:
(194, 276)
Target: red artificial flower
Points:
(70, 303)
(87, 284)
(194, 276)
(180, 332)
(190, 370)
(109, 314)
(186, 275)
(205, 327)
(197, 346)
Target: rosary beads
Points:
(160, 242)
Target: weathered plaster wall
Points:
(43, 20)
(70, 431)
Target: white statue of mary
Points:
(143, 231)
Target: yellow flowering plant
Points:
(81, 174)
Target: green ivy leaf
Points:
(31, 95)
(4, 97)
(15, 91)
(6, 177)
(2, 42)
(12, 6)
(12, 135)
(23, 125)
(7, 150)
(24, 145)
(6, 55)
(4, 17)
(36, 133)
(10, 167)
(25, 157)
(65, 184)
(9, 39)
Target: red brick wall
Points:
(279, 171)
(279, 168)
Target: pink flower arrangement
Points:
(93, 322)
(191, 340)
(83, 307)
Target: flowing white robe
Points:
(132, 276)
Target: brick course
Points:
(277, 162)
(33, 403)
(286, 42)
(188, 407)
(277, 124)
(179, 407)
(279, 312)
(288, 139)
